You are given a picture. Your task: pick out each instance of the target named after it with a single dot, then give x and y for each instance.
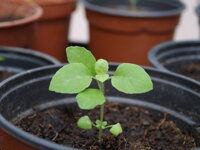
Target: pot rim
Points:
(29, 53)
(58, 2)
(42, 143)
(152, 55)
(180, 6)
(29, 19)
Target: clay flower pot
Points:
(122, 35)
(180, 101)
(179, 57)
(18, 23)
(52, 29)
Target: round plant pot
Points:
(20, 96)
(179, 57)
(18, 60)
(18, 23)
(52, 29)
(122, 35)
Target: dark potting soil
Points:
(4, 74)
(192, 71)
(142, 129)
(10, 18)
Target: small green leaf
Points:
(90, 98)
(76, 54)
(101, 67)
(131, 78)
(72, 78)
(2, 58)
(84, 123)
(102, 78)
(116, 129)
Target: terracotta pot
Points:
(19, 32)
(52, 35)
(15, 100)
(126, 36)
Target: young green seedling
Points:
(133, 3)
(2, 58)
(77, 76)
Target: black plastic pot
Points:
(172, 94)
(20, 59)
(176, 56)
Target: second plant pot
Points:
(18, 23)
(121, 33)
(180, 101)
(179, 57)
(17, 60)
(52, 30)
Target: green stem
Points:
(101, 87)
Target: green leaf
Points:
(76, 54)
(131, 79)
(2, 58)
(116, 129)
(70, 79)
(90, 98)
(84, 123)
(102, 78)
(101, 67)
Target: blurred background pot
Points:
(181, 101)
(17, 60)
(179, 57)
(52, 30)
(120, 33)
(18, 22)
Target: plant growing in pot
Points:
(45, 114)
(54, 26)
(179, 57)
(18, 23)
(15, 60)
(120, 32)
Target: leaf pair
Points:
(86, 124)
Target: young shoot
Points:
(76, 77)
(133, 3)
(2, 58)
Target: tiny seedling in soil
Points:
(77, 76)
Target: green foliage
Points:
(2, 58)
(84, 123)
(131, 79)
(90, 98)
(133, 2)
(76, 54)
(77, 76)
(101, 67)
(116, 129)
(72, 78)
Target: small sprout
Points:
(84, 123)
(116, 129)
(101, 67)
(2, 58)
(77, 76)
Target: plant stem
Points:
(101, 87)
(133, 2)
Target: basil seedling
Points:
(76, 77)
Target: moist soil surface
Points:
(142, 129)
(192, 71)
(4, 74)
